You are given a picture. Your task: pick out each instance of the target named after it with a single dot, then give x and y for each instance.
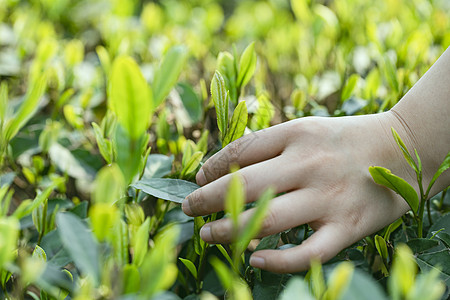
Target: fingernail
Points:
(200, 178)
(185, 207)
(257, 262)
(205, 233)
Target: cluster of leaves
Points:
(105, 117)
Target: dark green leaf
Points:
(439, 260)
(420, 245)
(444, 238)
(190, 266)
(384, 177)
(166, 188)
(80, 243)
(191, 102)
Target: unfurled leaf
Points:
(380, 244)
(78, 240)
(190, 266)
(384, 177)
(191, 102)
(316, 279)
(220, 98)
(247, 66)
(104, 145)
(130, 97)
(237, 125)
(192, 164)
(420, 245)
(167, 74)
(166, 188)
(140, 242)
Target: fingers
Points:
(256, 178)
(249, 149)
(302, 208)
(324, 244)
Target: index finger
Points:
(247, 150)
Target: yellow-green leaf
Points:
(190, 266)
(220, 98)
(247, 65)
(237, 125)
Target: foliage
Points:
(108, 108)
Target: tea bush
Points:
(108, 108)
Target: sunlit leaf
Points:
(220, 98)
(247, 66)
(237, 124)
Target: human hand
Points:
(321, 165)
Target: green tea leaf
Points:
(104, 146)
(247, 66)
(140, 243)
(103, 217)
(9, 231)
(109, 185)
(193, 163)
(237, 125)
(442, 168)
(363, 286)
(380, 244)
(199, 244)
(220, 98)
(296, 289)
(420, 245)
(190, 266)
(3, 101)
(223, 272)
(167, 73)
(158, 166)
(191, 102)
(405, 151)
(166, 188)
(27, 109)
(131, 279)
(444, 238)
(384, 177)
(39, 253)
(130, 98)
(77, 239)
(226, 67)
(254, 225)
(349, 87)
(235, 199)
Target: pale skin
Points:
(321, 165)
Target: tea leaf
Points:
(226, 67)
(220, 98)
(158, 166)
(191, 102)
(442, 168)
(167, 74)
(380, 244)
(384, 177)
(339, 280)
(27, 109)
(420, 245)
(403, 272)
(3, 102)
(349, 87)
(190, 266)
(9, 231)
(131, 279)
(237, 125)
(103, 217)
(235, 199)
(77, 239)
(192, 164)
(104, 146)
(130, 98)
(166, 188)
(140, 242)
(405, 151)
(296, 289)
(247, 66)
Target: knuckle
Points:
(233, 151)
(268, 224)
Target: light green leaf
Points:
(442, 168)
(131, 279)
(199, 244)
(235, 199)
(166, 188)
(109, 185)
(140, 243)
(190, 266)
(103, 144)
(192, 164)
(220, 98)
(296, 289)
(405, 151)
(3, 101)
(384, 177)
(380, 244)
(78, 240)
(237, 125)
(104, 58)
(167, 74)
(226, 67)
(224, 253)
(9, 231)
(254, 225)
(223, 272)
(130, 98)
(247, 66)
(39, 253)
(27, 109)
(349, 87)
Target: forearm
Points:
(424, 115)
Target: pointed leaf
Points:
(237, 125)
(167, 74)
(247, 65)
(220, 98)
(384, 177)
(130, 97)
(190, 266)
(405, 151)
(349, 87)
(166, 188)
